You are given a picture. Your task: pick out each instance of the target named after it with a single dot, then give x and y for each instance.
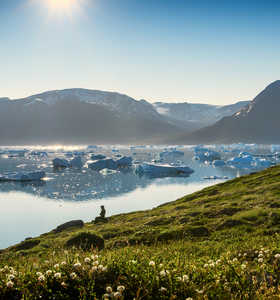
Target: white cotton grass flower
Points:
(95, 263)
(185, 278)
(133, 261)
(162, 273)
(260, 260)
(189, 298)
(87, 260)
(94, 268)
(277, 255)
(56, 266)
(63, 263)
(63, 284)
(77, 265)
(163, 289)
(117, 295)
(49, 272)
(11, 277)
(152, 263)
(104, 269)
(109, 290)
(57, 275)
(120, 288)
(10, 284)
(41, 278)
(39, 274)
(73, 275)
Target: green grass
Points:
(223, 239)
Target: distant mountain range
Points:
(258, 122)
(91, 116)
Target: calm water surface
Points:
(31, 209)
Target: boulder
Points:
(70, 224)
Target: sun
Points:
(62, 7)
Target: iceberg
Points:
(23, 176)
(153, 170)
(60, 163)
(262, 163)
(101, 164)
(125, 161)
(218, 163)
(76, 162)
(245, 162)
(97, 156)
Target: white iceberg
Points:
(23, 176)
(171, 154)
(60, 163)
(244, 162)
(153, 170)
(218, 163)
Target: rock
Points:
(23, 176)
(100, 220)
(25, 245)
(70, 224)
(86, 241)
(60, 163)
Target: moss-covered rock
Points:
(25, 245)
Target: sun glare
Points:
(63, 7)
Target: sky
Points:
(215, 52)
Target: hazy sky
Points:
(169, 50)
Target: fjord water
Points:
(30, 209)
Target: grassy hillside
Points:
(218, 243)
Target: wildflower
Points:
(160, 265)
(152, 263)
(179, 278)
(39, 274)
(277, 255)
(41, 278)
(94, 257)
(104, 269)
(73, 275)
(163, 289)
(185, 278)
(109, 290)
(106, 296)
(205, 265)
(200, 291)
(63, 263)
(162, 273)
(77, 265)
(63, 284)
(189, 298)
(57, 275)
(260, 260)
(100, 267)
(47, 261)
(49, 272)
(235, 259)
(117, 295)
(120, 288)
(10, 284)
(95, 263)
(260, 255)
(56, 266)
(243, 266)
(94, 269)
(11, 277)
(87, 260)
(133, 262)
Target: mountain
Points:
(258, 122)
(200, 115)
(81, 116)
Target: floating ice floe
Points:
(76, 162)
(60, 163)
(215, 177)
(16, 153)
(245, 162)
(39, 153)
(218, 163)
(106, 172)
(205, 154)
(153, 170)
(22, 176)
(262, 163)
